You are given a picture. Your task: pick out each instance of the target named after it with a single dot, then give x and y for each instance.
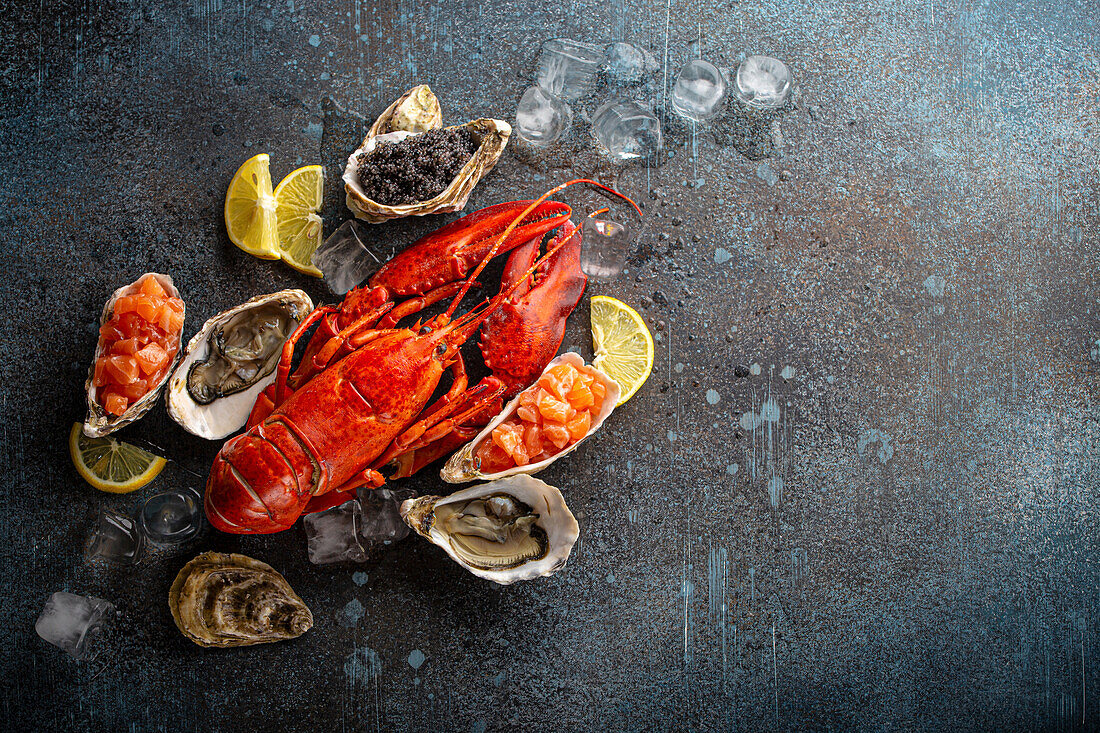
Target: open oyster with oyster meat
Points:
(416, 112)
(517, 528)
(224, 600)
(230, 361)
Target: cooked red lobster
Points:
(359, 398)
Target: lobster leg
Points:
(440, 424)
(415, 305)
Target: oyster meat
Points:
(465, 465)
(416, 112)
(230, 361)
(517, 528)
(226, 600)
(99, 422)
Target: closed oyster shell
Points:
(99, 422)
(416, 112)
(225, 600)
(556, 526)
(464, 465)
(227, 413)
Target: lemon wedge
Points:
(111, 465)
(623, 344)
(250, 217)
(298, 198)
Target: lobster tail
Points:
(250, 490)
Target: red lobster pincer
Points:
(358, 399)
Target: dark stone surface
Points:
(859, 491)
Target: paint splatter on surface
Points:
(926, 268)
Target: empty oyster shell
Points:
(230, 361)
(225, 600)
(466, 466)
(416, 112)
(517, 528)
(99, 421)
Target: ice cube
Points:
(568, 68)
(699, 91)
(541, 117)
(382, 520)
(344, 257)
(604, 248)
(763, 82)
(116, 538)
(74, 624)
(333, 535)
(626, 129)
(171, 518)
(629, 65)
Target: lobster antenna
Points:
(515, 222)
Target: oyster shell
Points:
(416, 112)
(230, 361)
(99, 422)
(225, 600)
(465, 466)
(517, 528)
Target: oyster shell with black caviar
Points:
(222, 600)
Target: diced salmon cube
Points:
(134, 390)
(175, 304)
(100, 377)
(528, 414)
(519, 455)
(598, 393)
(493, 457)
(558, 434)
(553, 410)
(122, 369)
(579, 425)
(579, 395)
(146, 307)
(114, 403)
(532, 440)
(151, 358)
(125, 346)
(506, 437)
(110, 332)
(150, 286)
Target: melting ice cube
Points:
(116, 537)
(344, 257)
(626, 129)
(629, 65)
(541, 117)
(171, 518)
(763, 82)
(74, 624)
(568, 68)
(382, 520)
(699, 91)
(333, 535)
(604, 247)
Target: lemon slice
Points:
(111, 465)
(298, 198)
(623, 344)
(250, 209)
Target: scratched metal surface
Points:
(859, 491)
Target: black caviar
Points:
(417, 168)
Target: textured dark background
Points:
(859, 491)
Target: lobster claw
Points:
(449, 253)
(520, 339)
